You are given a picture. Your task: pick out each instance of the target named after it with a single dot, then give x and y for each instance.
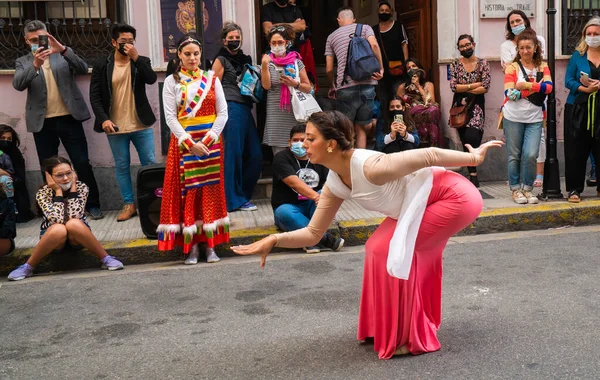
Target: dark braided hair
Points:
(334, 125)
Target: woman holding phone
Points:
(402, 134)
(281, 69)
(582, 129)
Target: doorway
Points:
(418, 17)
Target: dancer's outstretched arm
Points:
(384, 168)
(328, 206)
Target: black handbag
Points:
(536, 98)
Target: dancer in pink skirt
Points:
(425, 205)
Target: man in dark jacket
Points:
(122, 110)
(55, 107)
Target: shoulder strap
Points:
(356, 32)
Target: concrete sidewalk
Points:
(127, 242)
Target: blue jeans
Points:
(523, 145)
(291, 217)
(143, 141)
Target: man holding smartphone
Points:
(55, 108)
(119, 101)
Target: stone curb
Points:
(355, 232)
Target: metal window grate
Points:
(575, 14)
(83, 25)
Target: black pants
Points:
(578, 145)
(471, 136)
(70, 132)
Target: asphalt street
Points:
(516, 306)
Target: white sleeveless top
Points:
(404, 199)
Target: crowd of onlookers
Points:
(393, 109)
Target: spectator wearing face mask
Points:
(419, 94)
(9, 145)
(393, 41)
(516, 22)
(402, 132)
(243, 156)
(297, 184)
(55, 108)
(470, 80)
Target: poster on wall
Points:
(179, 17)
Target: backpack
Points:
(361, 62)
(250, 84)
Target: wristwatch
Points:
(298, 85)
(469, 86)
(64, 51)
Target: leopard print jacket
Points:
(53, 207)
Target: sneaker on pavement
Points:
(531, 199)
(338, 245)
(95, 213)
(192, 257)
(313, 249)
(518, 197)
(127, 212)
(110, 263)
(211, 256)
(22, 272)
(248, 207)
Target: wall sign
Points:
(501, 8)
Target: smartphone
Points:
(280, 71)
(116, 128)
(584, 75)
(399, 118)
(43, 41)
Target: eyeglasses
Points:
(465, 46)
(277, 29)
(130, 42)
(278, 43)
(63, 175)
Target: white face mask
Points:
(278, 50)
(592, 41)
(65, 186)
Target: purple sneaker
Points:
(248, 207)
(110, 263)
(21, 273)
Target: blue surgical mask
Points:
(518, 29)
(34, 47)
(298, 149)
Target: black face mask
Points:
(467, 53)
(282, 2)
(121, 49)
(385, 16)
(234, 45)
(6, 146)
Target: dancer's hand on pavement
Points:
(479, 153)
(261, 247)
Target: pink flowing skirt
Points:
(398, 312)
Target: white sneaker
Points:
(532, 199)
(192, 258)
(518, 197)
(211, 256)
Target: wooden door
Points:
(418, 17)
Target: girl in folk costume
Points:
(193, 206)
